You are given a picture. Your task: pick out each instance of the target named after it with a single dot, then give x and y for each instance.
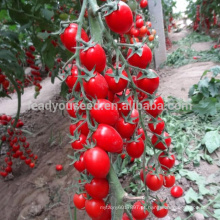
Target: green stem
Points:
(19, 98)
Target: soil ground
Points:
(41, 194)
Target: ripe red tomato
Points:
(94, 207)
(121, 20)
(72, 129)
(5, 84)
(140, 61)
(143, 31)
(156, 108)
(124, 107)
(8, 169)
(143, 3)
(125, 217)
(79, 200)
(125, 129)
(93, 57)
(169, 180)
(2, 78)
(134, 32)
(97, 188)
(68, 37)
(176, 191)
(80, 165)
(153, 182)
(135, 149)
(159, 211)
(149, 85)
(108, 138)
(138, 211)
(148, 23)
(84, 129)
(71, 79)
(97, 162)
(106, 215)
(160, 145)
(166, 161)
(3, 174)
(141, 131)
(139, 23)
(59, 167)
(96, 87)
(72, 107)
(78, 144)
(157, 128)
(114, 86)
(105, 112)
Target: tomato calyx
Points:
(87, 45)
(155, 122)
(161, 139)
(148, 73)
(136, 49)
(160, 203)
(109, 8)
(117, 74)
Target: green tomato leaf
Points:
(191, 196)
(188, 208)
(212, 141)
(47, 13)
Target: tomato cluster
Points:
(18, 147)
(3, 81)
(103, 103)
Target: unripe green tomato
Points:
(63, 16)
(151, 45)
(37, 89)
(132, 5)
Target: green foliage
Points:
(206, 94)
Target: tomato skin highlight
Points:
(113, 86)
(159, 212)
(68, 37)
(135, 149)
(93, 57)
(149, 85)
(140, 61)
(108, 138)
(96, 87)
(79, 200)
(97, 162)
(169, 181)
(138, 211)
(160, 145)
(97, 188)
(104, 112)
(94, 207)
(166, 162)
(121, 20)
(176, 191)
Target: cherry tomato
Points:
(156, 108)
(176, 191)
(120, 21)
(72, 129)
(97, 188)
(97, 162)
(169, 181)
(96, 87)
(93, 57)
(157, 128)
(140, 61)
(105, 112)
(149, 85)
(108, 138)
(68, 37)
(160, 145)
(166, 161)
(139, 23)
(125, 129)
(153, 182)
(135, 149)
(138, 211)
(80, 165)
(143, 31)
(78, 144)
(59, 167)
(141, 131)
(125, 217)
(71, 79)
(151, 38)
(72, 107)
(159, 211)
(143, 3)
(94, 207)
(134, 32)
(106, 215)
(148, 23)
(114, 86)
(79, 200)
(84, 129)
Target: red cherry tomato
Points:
(169, 181)
(79, 200)
(59, 167)
(153, 182)
(143, 3)
(157, 128)
(176, 191)
(158, 211)
(160, 145)
(80, 165)
(78, 144)
(95, 207)
(71, 79)
(138, 211)
(166, 161)
(121, 20)
(135, 149)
